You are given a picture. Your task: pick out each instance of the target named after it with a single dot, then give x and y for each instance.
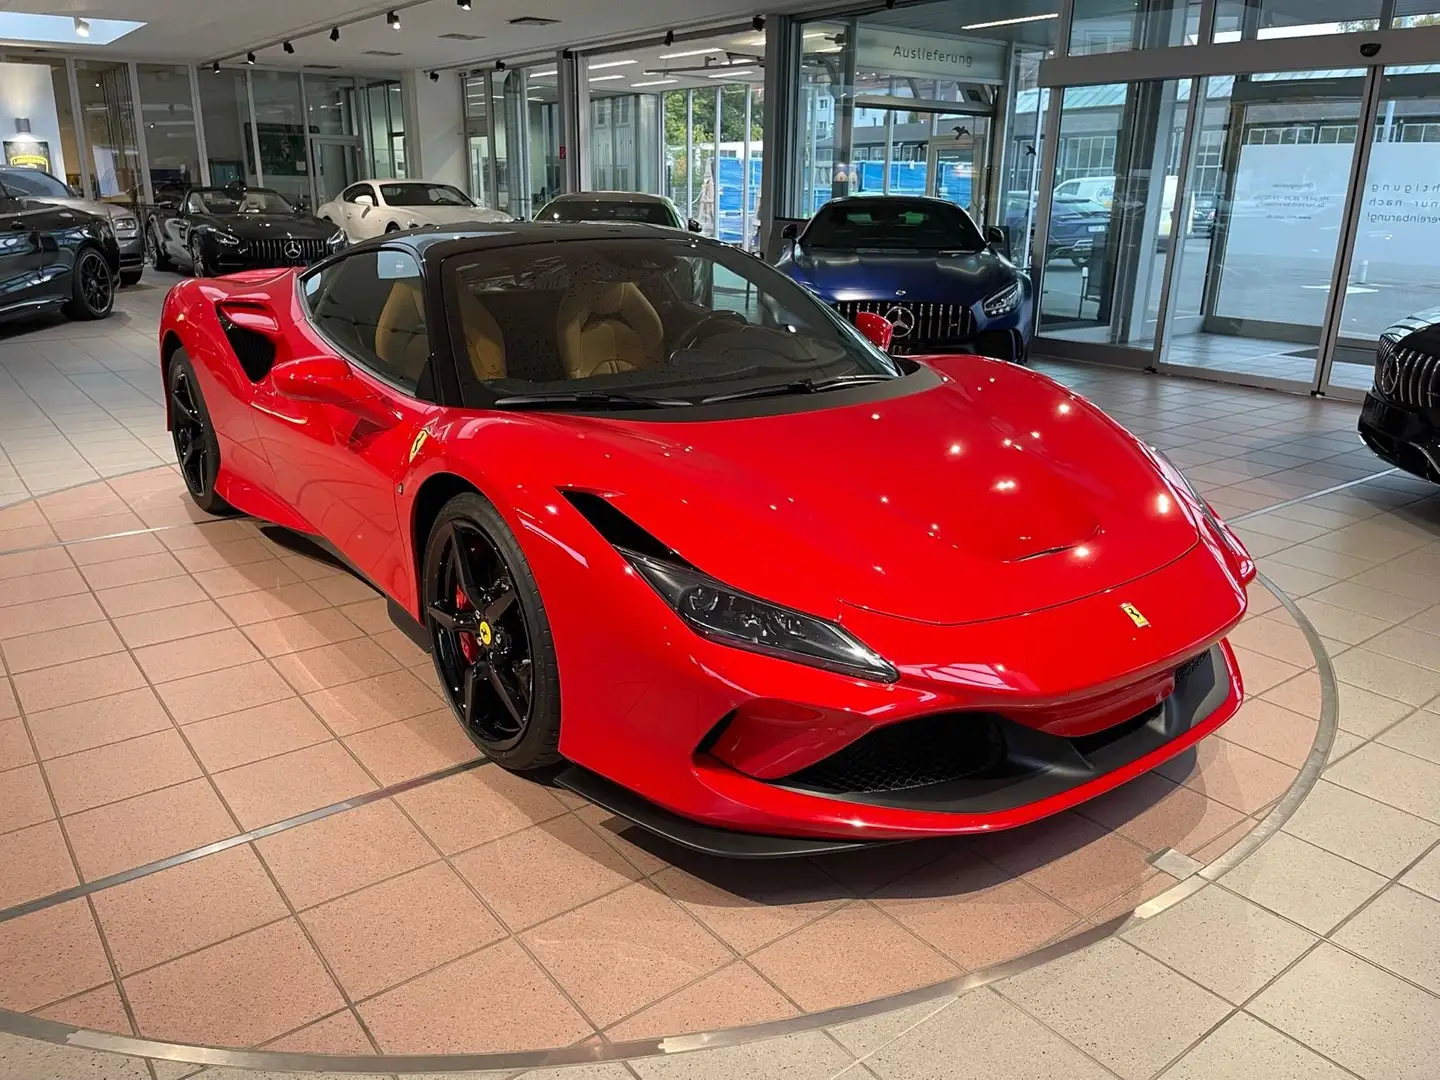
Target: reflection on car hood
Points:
(273, 226)
(995, 494)
(914, 275)
(87, 206)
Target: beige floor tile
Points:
(36, 861)
(171, 624)
(734, 996)
(50, 954)
(1332, 621)
(150, 596)
(1367, 714)
(52, 647)
(227, 581)
(76, 681)
(1227, 945)
(1386, 675)
(21, 620)
(281, 787)
(464, 811)
(197, 655)
(1381, 772)
(414, 747)
(137, 570)
(238, 738)
(24, 799)
(123, 835)
(1409, 644)
(219, 692)
(334, 665)
(1242, 1048)
(187, 907)
(120, 770)
(1400, 931)
(1303, 883)
(279, 602)
(327, 626)
(15, 748)
(1361, 829)
(371, 703)
(1424, 876)
(1364, 1018)
(1000, 1043)
(1418, 735)
(1123, 1008)
(1375, 603)
(807, 1056)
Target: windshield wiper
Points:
(798, 386)
(588, 399)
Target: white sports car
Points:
(374, 207)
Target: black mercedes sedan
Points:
(1401, 417)
(214, 230)
(55, 258)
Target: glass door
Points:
(1258, 235)
(1394, 268)
(956, 162)
(335, 166)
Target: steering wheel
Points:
(709, 323)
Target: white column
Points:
(435, 128)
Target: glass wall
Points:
(512, 134)
(167, 116)
(280, 117)
(476, 89)
(225, 114)
(384, 127)
(108, 111)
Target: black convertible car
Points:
(212, 230)
(55, 258)
(1401, 418)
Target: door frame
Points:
(317, 143)
(979, 147)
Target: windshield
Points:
(232, 201)
(927, 225)
(34, 182)
(648, 213)
(423, 195)
(674, 319)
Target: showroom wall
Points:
(434, 117)
(27, 92)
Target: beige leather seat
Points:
(402, 343)
(608, 328)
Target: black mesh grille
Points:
(916, 325)
(930, 750)
(285, 252)
(1407, 376)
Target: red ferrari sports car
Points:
(685, 540)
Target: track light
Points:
(287, 47)
(215, 68)
(434, 76)
(758, 22)
(249, 58)
(669, 38)
(82, 27)
(334, 33)
(499, 65)
(463, 5)
(393, 18)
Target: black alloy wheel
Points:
(198, 266)
(196, 448)
(156, 252)
(489, 636)
(92, 288)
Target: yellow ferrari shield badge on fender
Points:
(419, 442)
(1135, 614)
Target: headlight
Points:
(1004, 301)
(336, 241)
(126, 226)
(225, 238)
(722, 614)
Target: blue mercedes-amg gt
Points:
(922, 264)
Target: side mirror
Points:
(692, 225)
(877, 328)
(327, 380)
(790, 232)
(364, 200)
(995, 236)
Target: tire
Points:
(197, 450)
(494, 598)
(131, 277)
(158, 259)
(92, 286)
(198, 267)
(392, 227)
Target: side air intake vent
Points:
(255, 351)
(618, 529)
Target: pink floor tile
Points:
(159, 917)
(277, 603)
(410, 748)
(532, 875)
(119, 771)
(23, 619)
(294, 783)
(456, 1008)
(98, 1010)
(344, 852)
(88, 724)
(484, 804)
(855, 954)
(241, 992)
(79, 680)
(238, 738)
(35, 863)
(171, 624)
(51, 647)
(1231, 774)
(400, 928)
(337, 1034)
(276, 637)
(23, 799)
(123, 835)
(1273, 731)
(48, 955)
(1157, 813)
(734, 996)
(625, 951)
(371, 703)
(334, 665)
(219, 692)
(150, 596)
(171, 660)
(15, 749)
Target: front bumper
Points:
(132, 251)
(1406, 437)
(942, 327)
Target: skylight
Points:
(21, 28)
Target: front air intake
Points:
(254, 350)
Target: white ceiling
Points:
(200, 30)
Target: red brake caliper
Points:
(469, 647)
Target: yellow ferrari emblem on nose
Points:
(484, 633)
(1135, 615)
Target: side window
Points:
(371, 305)
(348, 195)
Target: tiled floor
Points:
(176, 686)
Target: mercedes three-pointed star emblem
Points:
(901, 319)
(291, 249)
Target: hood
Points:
(914, 275)
(274, 226)
(992, 494)
(87, 206)
(454, 215)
